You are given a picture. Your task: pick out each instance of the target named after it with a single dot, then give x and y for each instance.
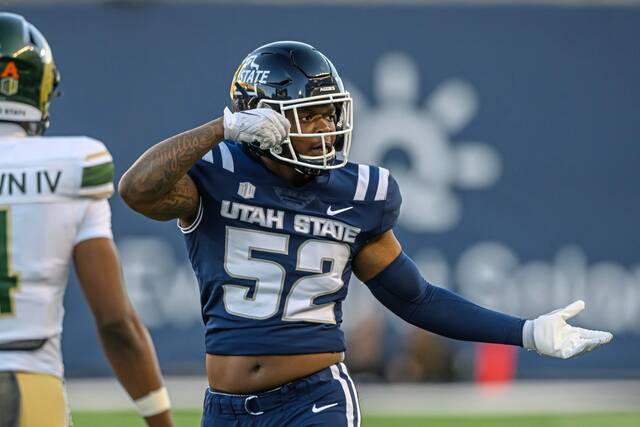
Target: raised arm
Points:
(157, 184)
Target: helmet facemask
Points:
(333, 158)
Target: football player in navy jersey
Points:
(275, 219)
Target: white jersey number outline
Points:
(269, 276)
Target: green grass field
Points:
(192, 419)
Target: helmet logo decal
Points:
(9, 80)
(251, 73)
(254, 76)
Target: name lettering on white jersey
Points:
(29, 181)
(56, 169)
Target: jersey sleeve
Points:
(96, 221)
(96, 179)
(198, 173)
(392, 203)
(196, 222)
(217, 159)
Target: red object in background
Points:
(495, 363)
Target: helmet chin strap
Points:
(35, 128)
(38, 128)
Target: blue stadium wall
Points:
(514, 132)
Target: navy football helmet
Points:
(287, 76)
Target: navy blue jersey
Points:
(273, 261)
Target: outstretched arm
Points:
(396, 282)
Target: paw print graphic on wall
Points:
(413, 138)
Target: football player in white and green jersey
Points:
(54, 209)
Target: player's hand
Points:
(551, 335)
(260, 127)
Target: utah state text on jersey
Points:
(306, 224)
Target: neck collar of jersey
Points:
(12, 130)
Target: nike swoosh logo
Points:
(315, 409)
(331, 212)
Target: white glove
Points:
(260, 127)
(551, 335)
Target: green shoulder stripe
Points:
(97, 175)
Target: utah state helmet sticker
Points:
(250, 72)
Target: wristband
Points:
(528, 341)
(153, 403)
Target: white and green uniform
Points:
(53, 195)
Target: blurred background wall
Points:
(512, 127)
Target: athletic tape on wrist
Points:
(528, 341)
(153, 403)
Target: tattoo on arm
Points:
(154, 185)
(180, 202)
